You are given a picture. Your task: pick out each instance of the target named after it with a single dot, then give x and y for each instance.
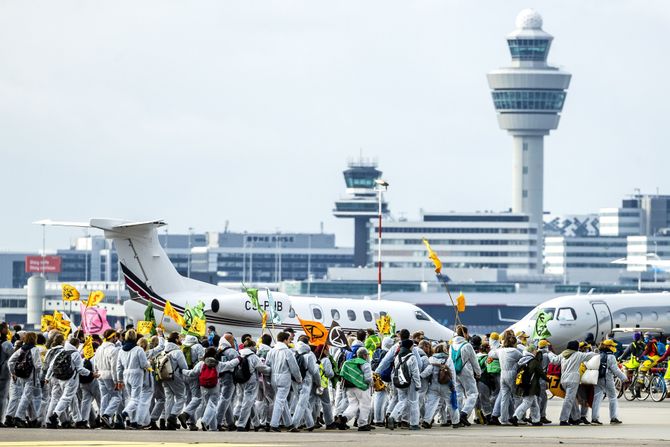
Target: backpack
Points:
(302, 364)
(521, 376)
(164, 371)
(457, 359)
(87, 379)
(377, 357)
(209, 377)
(187, 355)
(353, 374)
(62, 365)
(401, 374)
(493, 366)
(352, 353)
(24, 365)
(602, 368)
(242, 373)
(444, 374)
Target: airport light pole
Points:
(381, 187)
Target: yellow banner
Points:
(264, 320)
(433, 257)
(95, 298)
(554, 386)
(144, 327)
(384, 325)
(88, 350)
(46, 323)
(170, 312)
(198, 326)
(70, 293)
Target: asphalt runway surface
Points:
(644, 423)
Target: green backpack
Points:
(493, 367)
(352, 373)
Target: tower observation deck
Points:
(528, 97)
(360, 203)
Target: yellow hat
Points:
(521, 334)
(610, 344)
(494, 336)
(544, 343)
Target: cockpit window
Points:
(421, 316)
(566, 314)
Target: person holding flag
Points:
(307, 363)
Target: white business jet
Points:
(574, 317)
(151, 278)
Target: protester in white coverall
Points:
(227, 352)
(104, 362)
(30, 400)
(67, 388)
(130, 367)
(6, 351)
(571, 360)
(407, 397)
(509, 357)
(175, 390)
(284, 367)
(265, 395)
(359, 400)
(197, 351)
(605, 386)
(250, 388)
(441, 393)
(148, 382)
(466, 378)
(210, 396)
(311, 367)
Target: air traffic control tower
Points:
(528, 98)
(360, 203)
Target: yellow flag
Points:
(46, 322)
(64, 327)
(88, 350)
(58, 317)
(70, 293)
(144, 327)
(198, 326)
(433, 257)
(460, 302)
(94, 298)
(264, 319)
(170, 311)
(384, 325)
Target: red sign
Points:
(38, 264)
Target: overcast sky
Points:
(203, 112)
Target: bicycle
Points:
(652, 385)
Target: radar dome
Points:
(529, 19)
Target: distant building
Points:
(585, 259)
(573, 225)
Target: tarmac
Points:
(645, 423)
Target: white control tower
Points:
(528, 98)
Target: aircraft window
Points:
(421, 316)
(367, 315)
(638, 316)
(352, 315)
(622, 317)
(317, 313)
(383, 314)
(654, 316)
(566, 314)
(291, 312)
(335, 314)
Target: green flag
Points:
(540, 331)
(149, 316)
(253, 296)
(191, 315)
